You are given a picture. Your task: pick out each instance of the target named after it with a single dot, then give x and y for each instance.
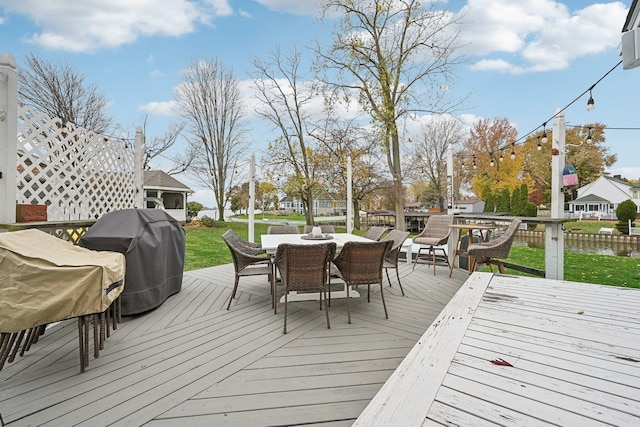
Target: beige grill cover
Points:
(44, 279)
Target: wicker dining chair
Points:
(325, 229)
(391, 259)
(248, 247)
(304, 268)
(493, 251)
(436, 232)
(283, 229)
(375, 233)
(247, 264)
(360, 263)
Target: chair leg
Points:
(386, 270)
(368, 293)
(348, 305)
(399, 282)
(285, 309)
(433, 252)
(233, 293)
(386, 315)
(415, 260)
(326, 307)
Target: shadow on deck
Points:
(192, 362)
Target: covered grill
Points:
(153, 243)
(44, 279)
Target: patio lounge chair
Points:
(304, 268)
(361, 264)
(247, 264)
(493, 251)
(436, 232)
(391, 259)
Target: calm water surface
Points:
(586, 247)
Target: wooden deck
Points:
(191, 362)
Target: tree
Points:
(192, 210)
(590, 159)
(160, 144)
(397, 55)
(59, 90)
(431, 152)
(338, 140)
(285, 97)
(238, 197)
(209, 101)
(625, 212)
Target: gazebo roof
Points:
(589, 198)
(161, 179)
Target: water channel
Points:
(586, 246)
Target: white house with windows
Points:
(326, 204)
(601, 197)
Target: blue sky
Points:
(526, 58)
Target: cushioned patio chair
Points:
(391, 259)
(436, 233)
(326, 229)
(304, 268)
(360, 263)
(247, 264)
(375, 233)
(493, 251)
(283, 229)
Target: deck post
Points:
(8, 137)
(554, 235)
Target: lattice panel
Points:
(77, 173)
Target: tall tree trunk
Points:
(356, 214)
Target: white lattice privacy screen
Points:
(77, 173)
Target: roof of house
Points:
(590, 198)
(161, 179)
(632, 16)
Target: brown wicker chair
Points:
(248, 247)
(436, 232)
(326, 229)
(360, 263)
(493, 251)
(304, 268)
(247, 264)
(375, 233)
(391, 259)
(283, 229)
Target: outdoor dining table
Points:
(458, 228)
(270, 243)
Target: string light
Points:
(501, 158)
(589, 136)
(539, 146)
(544, 133)
(513, 151)
(590, 103)
(474, 162)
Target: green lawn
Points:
(205, 248)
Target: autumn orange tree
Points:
(485, 161)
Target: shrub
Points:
(626, 211)
(531, 210)
(207, 221)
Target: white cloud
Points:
(542, 35)
(166, 108)
(93, 24)
(628, 173)
(298, 7)
(155, 74)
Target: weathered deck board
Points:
(190, 360)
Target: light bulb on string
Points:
(590, 103)
(539, 146)
(513, 151)
(501, 158)
(474, 162)
(544, 133)
(589, 140)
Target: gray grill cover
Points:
(153, 244)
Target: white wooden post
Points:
(252, 196)
(138, 162)
(450, 204)
(349, 197)
(554, 235)
(8, 137)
